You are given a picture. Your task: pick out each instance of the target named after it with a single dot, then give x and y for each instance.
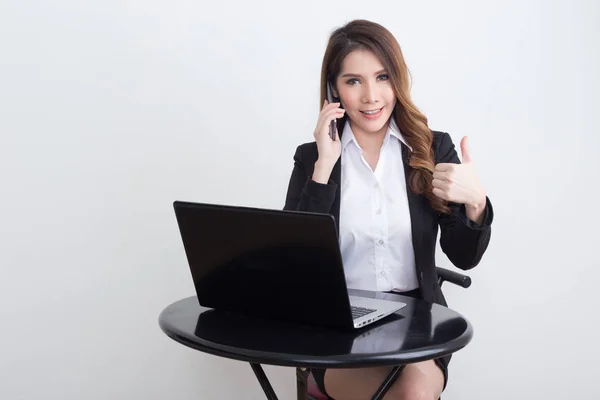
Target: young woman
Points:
(389, 181)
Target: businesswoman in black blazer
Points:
(389, 181)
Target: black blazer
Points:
(463, 241)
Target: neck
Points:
(369, 141)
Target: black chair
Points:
(305, 383)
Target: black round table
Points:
(420, 331)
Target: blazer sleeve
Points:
(303, 193)
(461, 239)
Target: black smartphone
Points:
(333, 123)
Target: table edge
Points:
(300, 360)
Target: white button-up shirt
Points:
(375, 225)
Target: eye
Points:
(352, 81)
(383, 77)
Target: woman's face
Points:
(365, 92)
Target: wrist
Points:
(326, 163)
(478, 204)
(322, 171)
(475, 210)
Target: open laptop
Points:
(272, 263)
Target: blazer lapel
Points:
(336, 177)
(415, 208)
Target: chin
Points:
(373, 128)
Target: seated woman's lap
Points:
(419, 381)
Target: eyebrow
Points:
(348, 75)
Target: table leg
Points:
(264, 381)
(387, 383)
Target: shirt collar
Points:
(393, 130)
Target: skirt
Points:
(319, 374)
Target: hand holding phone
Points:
(326, 133)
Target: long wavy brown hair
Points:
(363, 34)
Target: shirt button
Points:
(380, 241)
(378, 211)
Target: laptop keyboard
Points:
(358, 312)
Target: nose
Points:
(369, 94)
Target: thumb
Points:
(464, 149)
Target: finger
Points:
(326, 118)
(329, 106)
(464, 150)
(442, 175)
(335, 113)
(444, 167)
(324, 129)
(440, 184)
(440, 193)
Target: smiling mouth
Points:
(372, 112)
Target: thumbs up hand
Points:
(459, 183)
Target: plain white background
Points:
(111, 110)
